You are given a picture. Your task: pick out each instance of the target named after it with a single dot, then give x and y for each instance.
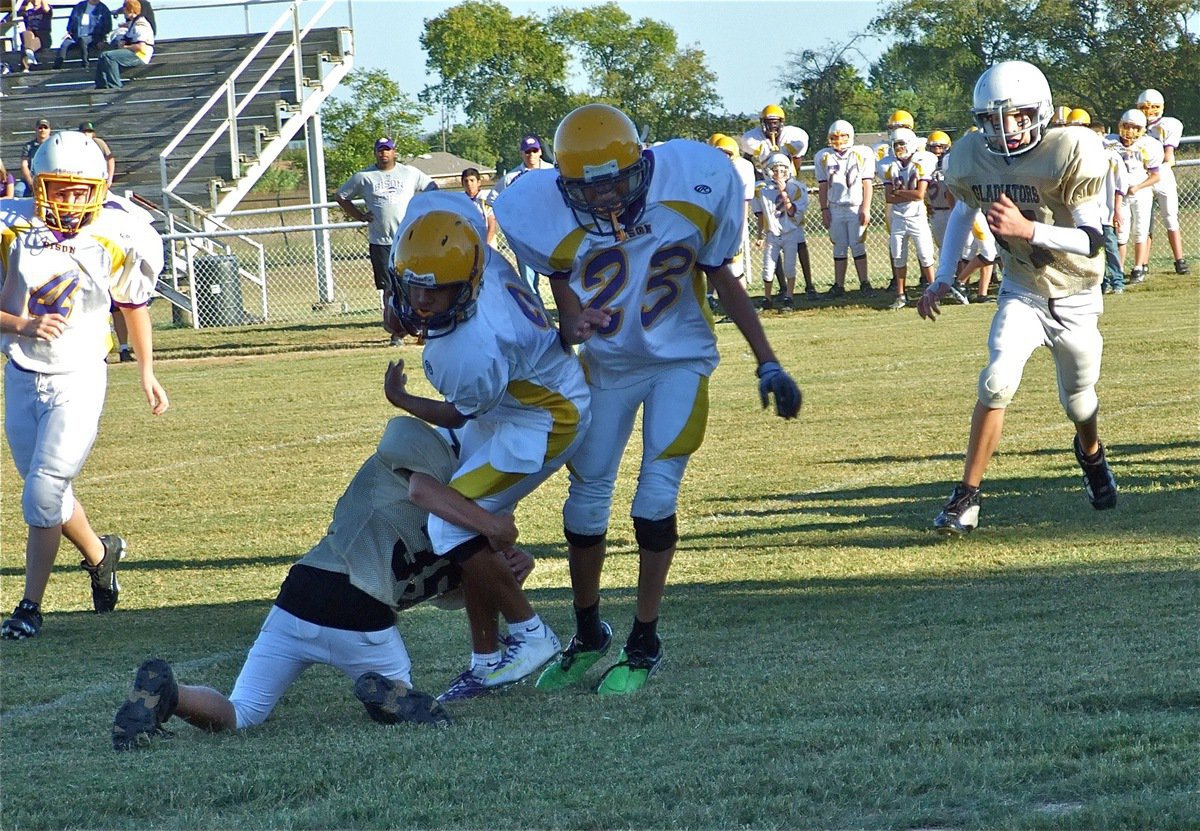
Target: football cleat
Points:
(1098, 480)
(631, 671)
(151, 702)
(810, 293)
(1181, 267)
(835, 291)
(466, 685)
(105, 588)
(899, 303)
(573, 664)
(523, 657)
(391, 702)
(1137, 275)
(961, 512)
(25, 622)
(958, 292)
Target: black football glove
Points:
(772, 380)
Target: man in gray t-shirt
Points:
(387, 189)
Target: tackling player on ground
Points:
(628, 237)
(338, 604)
(67, 255)
(515, 390)
(1038, 191)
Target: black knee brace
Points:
(583, 540)
(655, 535)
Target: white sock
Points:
(482, 664)
(532, 628)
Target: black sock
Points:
(587, 626)
(643, 637)
(1092, 458)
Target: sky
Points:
(746, 43)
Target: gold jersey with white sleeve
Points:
(1065, 170)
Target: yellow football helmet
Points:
(771, 118)
(1079, 116)
(726, 145)
(1151, 103)
(68, 158)
(841, 135)
(439, 248)
(1131, 127)
(938, 142)
(602, 173)
(901, 118)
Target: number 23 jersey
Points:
(653, 281)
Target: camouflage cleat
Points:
(391, 702)
(631, 671)
(573, 664)
(151, 702)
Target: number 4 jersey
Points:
(652, 281)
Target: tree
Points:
(376, 107)
(825, 86)
(1097, 54)
(639, 68)
(503, 71)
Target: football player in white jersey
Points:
(1168, 131)
(773, 136)
(1038, 190)
(1143, 155)
(845, 171)
(780, 204)
(337, 606)
(906, 182)
(67, 254)
(519, 395)
(746, 175)
(628, 237)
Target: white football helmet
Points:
(68, 158)
(779, 162)
(841, 135)
(1017, 90)
(1151, 102)
(1131, 127)
(904, 143)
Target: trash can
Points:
(217, 291)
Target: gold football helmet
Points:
(938, 142)
(438, 249)
(726, 145)
(1079, 116)
(771, 119)
(901, 118)
(602, 173)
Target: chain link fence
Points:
(279, 266)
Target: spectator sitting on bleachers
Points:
(132, 45)
(88, 29)
(7, 183)
(37, 15)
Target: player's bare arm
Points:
(440, 413)
(142, 341)
(443, 501)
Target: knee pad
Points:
(47, 500)
(583, 540)
(998, 384)
(655, 535)
(1080, 406)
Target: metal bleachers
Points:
(139, 120)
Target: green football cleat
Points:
(631, 671)
(573, 663)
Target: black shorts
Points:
(380, 254)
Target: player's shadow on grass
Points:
(359, 334)
(1119, 453)
(68, 564)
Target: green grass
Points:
(830, 662)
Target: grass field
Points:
(830, 662)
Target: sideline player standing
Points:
(519, 395)
(1039, 191)
(1168, 131)
(906, 177)
(1143, 157)
(628, 236)
(338, 603)
(845, 171)
(773, 136)
(70, 252)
